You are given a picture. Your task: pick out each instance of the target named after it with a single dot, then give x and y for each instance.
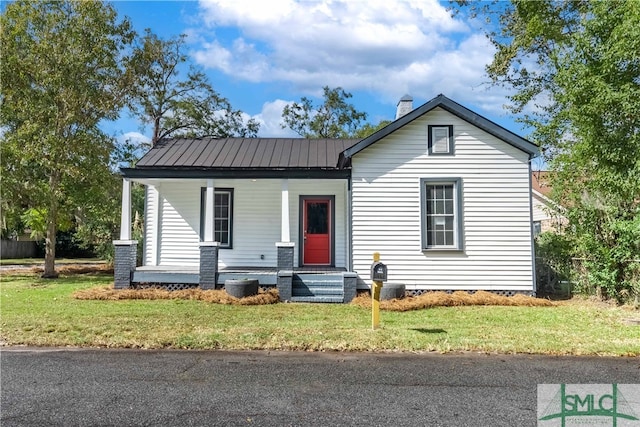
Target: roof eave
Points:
(240, 173)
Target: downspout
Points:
(349, 227)
(533, 246)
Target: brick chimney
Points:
(405, 105)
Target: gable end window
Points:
(222, 215)
(441, 218)
(440, 139)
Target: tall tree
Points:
(61, 76)
(334, 118)
(574, 67)
(177, 106)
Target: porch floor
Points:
(191, 275)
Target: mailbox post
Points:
(378, 276)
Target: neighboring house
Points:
(442, 193)
(547, 215)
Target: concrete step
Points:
(307, 290)
(318, 299)
(317, 288)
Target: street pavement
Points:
(103, 387)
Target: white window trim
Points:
(457, 209)
(430, 134)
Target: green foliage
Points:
(369, 129)
(575, 71)
(174, 105)
(36, 220)
(61, 75)
(334, 118)
(556, 250)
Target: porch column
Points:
(284, 215)
(208, 212)
(125, 254)
(285, 270)
(285, 247)
(208, 265)
(209, 248)
(125, 215)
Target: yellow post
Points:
(375, 304)
(375, 298)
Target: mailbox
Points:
(378, 272)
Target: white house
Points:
(442, 193)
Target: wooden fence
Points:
(17, 249)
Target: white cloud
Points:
(389, 48)
(270, 119)
(135, 138)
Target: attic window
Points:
(440, 139)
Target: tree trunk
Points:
(50, 251)
(52, 228)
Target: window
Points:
(441, 219)
(440, 139)
(222, 215)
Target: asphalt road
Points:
(71, 387)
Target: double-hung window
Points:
(441, 201)
(222, 215)
(440, 140)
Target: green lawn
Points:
(40, 261)
(43, 312)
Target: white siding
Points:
(496, 230)
(540, 209)
(151, 226)
(179, 232)
(256, 220)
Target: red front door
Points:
(316, 243)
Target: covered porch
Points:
(183, 245)
(216, 209)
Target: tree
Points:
(175, 106)
(575, 66)
(61, 76)
(334, 118)
(369, 129)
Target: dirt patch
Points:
(459, 298)
(213, 296)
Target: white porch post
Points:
(125, 251)
(125, 217)
(208, 270)
(284, 227)
(208, 212)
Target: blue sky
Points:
(262, 55)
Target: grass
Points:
(44, 312)
(40, 261)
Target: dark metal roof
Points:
(452, 107)
(201, 156)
